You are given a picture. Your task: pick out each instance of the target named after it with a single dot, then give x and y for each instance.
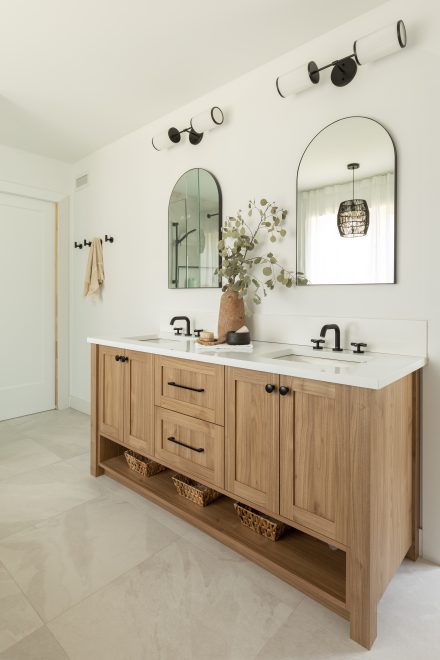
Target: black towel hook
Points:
(109, 239)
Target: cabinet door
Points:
(139, 402)
(313, 446)
(111, 388)
(252, 437)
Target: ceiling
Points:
(78, 75)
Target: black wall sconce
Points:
(205, 121)
(374, 46)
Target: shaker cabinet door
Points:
(111, 388)
(312, 456)
(252, 437)
(139, 402)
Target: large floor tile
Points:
(40, 645)
(178, 604)
(17, 616)
(36, 495)
(69, 557)
(19, 455)
(65, 433)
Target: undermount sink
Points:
(170, 343)
(322, 362)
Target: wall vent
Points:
(81, 181)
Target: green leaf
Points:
(273, 239)
(283, 232)
(263, 202)
(267, 271)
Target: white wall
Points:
(29, 174)
(256, 153)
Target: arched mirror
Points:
(194, 227)
(346, 204)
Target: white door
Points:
(27, 306)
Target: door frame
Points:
(61, 203)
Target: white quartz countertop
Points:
(369, 370)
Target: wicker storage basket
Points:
(258, 522)
(144, 467)
(193, 491)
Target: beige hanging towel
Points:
(95, 269)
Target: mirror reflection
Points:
(346, 205)
(194, 225)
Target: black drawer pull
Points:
(182, 444)
(186, 387)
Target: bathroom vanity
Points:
(327, 444)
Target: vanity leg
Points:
(95, 470)
(413, 552)
(362, 603)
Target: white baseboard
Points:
(80, 404)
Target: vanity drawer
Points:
(191, 446)
(192, 388)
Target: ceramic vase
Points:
(231, 314)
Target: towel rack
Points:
(86, 243)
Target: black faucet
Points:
(333, 326)
(187, 321)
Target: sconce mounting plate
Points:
(343, 72)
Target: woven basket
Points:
(193, 491)
(269, 527)
(141, 465)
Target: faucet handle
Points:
(178, 331)
(197, 333)
(358, 346)
(317, 343)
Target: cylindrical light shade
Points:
(207, 120)
(166, 140)
(386, 41)
(353, 218)
(297, 80)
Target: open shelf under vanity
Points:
(303, 561)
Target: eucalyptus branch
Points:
(239, 239)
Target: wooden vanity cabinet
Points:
(126, 398)
(338, 463)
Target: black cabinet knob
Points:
(270, 388)
(118, 357)
(124, 358)
(284, 390)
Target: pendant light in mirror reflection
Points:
(353, 214)
(199, 125)
(346, 188)
(386, 41)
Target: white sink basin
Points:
(334, 362)
(172, 343)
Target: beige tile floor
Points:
(91, 571)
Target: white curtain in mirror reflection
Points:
(326, 257)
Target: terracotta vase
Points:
(231, 314)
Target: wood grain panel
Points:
(206, 465)
(139, 402)
(312, 444)
(315, 455)
(111, 386)
(252, 437)
(207, 404)
(95, 470)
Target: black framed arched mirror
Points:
(194, 228)
(346, 205)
